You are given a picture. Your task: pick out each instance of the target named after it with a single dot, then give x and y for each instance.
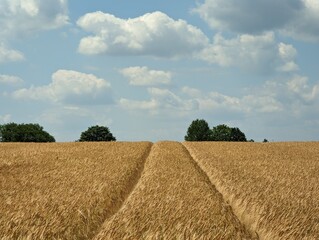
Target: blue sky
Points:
(147, 69)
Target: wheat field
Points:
(64, 191)
(166, 190)
(273, 188)
(173, 200)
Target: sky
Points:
(147, 69)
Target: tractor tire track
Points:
(174, 199)
(233, 207)
(128, 191)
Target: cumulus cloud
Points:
(69, 87)
(162, 101)
(154, 34)
(20, 17)
(253, 52)
(296, 18)
(143, 76)
(10, 80)
(9, 55)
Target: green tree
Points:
(198, 131)
(237, 136)
(97, 134)
(221, 133)
(30, 132)
(224, 133)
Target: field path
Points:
(174, 199)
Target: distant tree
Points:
(237, 136)
(221, 133)
(13, 132)
(224, 133)
(97, 134)
(251, 140)
(198, 131)
(265, 140)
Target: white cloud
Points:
(21, 17)
(143, 76)
(162, 101)
(9, 55)
(5, 118)
(69, 87)
(153, 34)
(260, 102)
(251, 52)
(298, 86)
(293, 94)
(291, 97)
(10, 80)
(287, 53)
(296, 18)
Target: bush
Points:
(97, 134)
(13, 132)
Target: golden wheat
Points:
(273, 187)
(64, 191)
(173, 200)
(84, 191)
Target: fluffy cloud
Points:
(260, 52)
(158, 35)
(153, 34)
(10, 80)
(69, 87)
(9, 55)
(297, 18)
(19, 17)
(162, 101)
(142, 76)
(24, 17)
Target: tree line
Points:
(197, 131)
